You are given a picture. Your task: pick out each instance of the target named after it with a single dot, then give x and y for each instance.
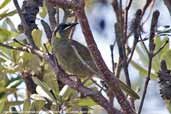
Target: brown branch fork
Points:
(78, 7)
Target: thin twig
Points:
(70, 4)
(22, 44)
(51, 13)
(24, 49)
(122, 52)
(47, 51)
(14, 48)
(144, 39)
(112, 57)
(132, 52)
(136, 28)
(145, 47)
(150, 55)
(133, 49)
(101, 87)
(110, 94)
(149, 14)
(126, 16)
(118, 68)
(121, 37)
(148, 2)
(146, 84)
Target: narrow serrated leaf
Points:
(4, 3)
(142, 70)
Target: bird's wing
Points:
(84, 53)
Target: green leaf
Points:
(43, 10)
(163, 54)
(5, 108)
(11, 24)
(156, 63)
(68, 93)
(51, 81)
(7, 90)
(14, 103)
(4, 55)
(166, 56)
(86, 102)
(6, 34)
(8, 69)
(37, 34)
(158, 44)
(2, 106)
(8, 104)
(15, 83)
(89, 83)
(44, 86)
(26, 106)
(37, 105)
(29, 62)
(142, 70)
(37, 97)
(129, 90)
(4, 3)
(6, 14)
(14, 79)
(2, 83)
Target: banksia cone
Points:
(165, 81)
(30, 9)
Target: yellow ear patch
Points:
(57, 35)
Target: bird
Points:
(75, 58)
(72, 55)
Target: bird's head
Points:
(63, 30)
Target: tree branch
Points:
(150, 55)
(24, 24)
(70, 4)
(51, 13)
(64, 78)
(78, 6)
(108, 77)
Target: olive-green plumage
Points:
(75, 58)
(68, 57)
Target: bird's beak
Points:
(73, 24)
(70, 25)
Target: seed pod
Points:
(164, 81)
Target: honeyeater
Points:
(75, 58)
